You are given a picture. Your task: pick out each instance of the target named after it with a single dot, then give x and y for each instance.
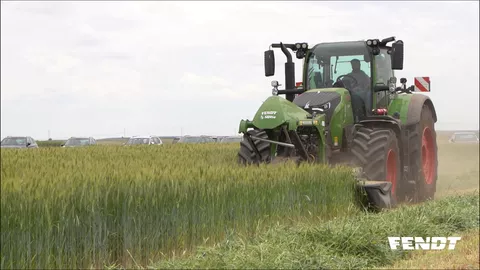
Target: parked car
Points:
(464, 137)
(18, 142)
(136, 140)
(195, 139)
(231, 139)
(79, 142)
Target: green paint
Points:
(276, 111)
(400, 104)
(342, 115)
(244, 126)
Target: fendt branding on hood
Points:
(268, 115)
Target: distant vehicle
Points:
(19, 142)
(231, 139)
(137, 140)
(79, 142)
(218, 138)
(175, 140)
(196, 139)
(464, 137)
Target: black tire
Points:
(424, 190)
(247, 155)
(373, 149)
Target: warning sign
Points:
(422, 84)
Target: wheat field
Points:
(117, 205)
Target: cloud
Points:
(110, 65)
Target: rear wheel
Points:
(247, 155)
(377, 152)
(423, 156)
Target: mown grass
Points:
(346, 243)
(113, 205)
(465, 256)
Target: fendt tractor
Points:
(349, 110)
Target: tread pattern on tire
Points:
(422, 192)
(368, 150)
(247, 155)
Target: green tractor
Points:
(348, 110)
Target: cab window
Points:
(314, 73)
(343, 66)
(383, 67)
(383, 71)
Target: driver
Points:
(360, 91)
(363, 80)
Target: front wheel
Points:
(247, 154)
(377, 152)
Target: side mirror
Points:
(28, 144)
(397, 55)
(269, 62)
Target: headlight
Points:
(326, 106)
(392, 87)
(275, 92)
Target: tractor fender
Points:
(415, 108)
(385, 122)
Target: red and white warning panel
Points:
(422, 84)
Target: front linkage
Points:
(293, 145)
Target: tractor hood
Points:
(276, 111)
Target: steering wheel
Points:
(355, 82)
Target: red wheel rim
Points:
(427, 155)
(392, 170)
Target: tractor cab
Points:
(365, 71)
(363, 68)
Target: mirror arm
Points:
(286, 52)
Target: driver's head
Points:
(355, 65)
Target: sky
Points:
(105, 69)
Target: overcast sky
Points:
(96, 68)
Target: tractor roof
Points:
(342, 48)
